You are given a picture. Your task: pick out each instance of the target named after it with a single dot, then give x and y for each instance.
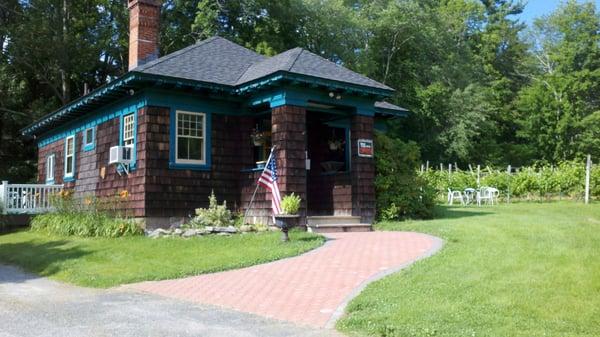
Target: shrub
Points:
(215, 215)
(86, 217)
(290, 204)
(400, 192)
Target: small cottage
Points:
(204, 118)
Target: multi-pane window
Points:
(88, 137)
(70, 156)
(190, 142)
(128, 129)
(50, 168)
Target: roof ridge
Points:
(296, 58)
(175, 53)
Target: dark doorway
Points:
(329, 190)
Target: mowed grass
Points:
(94, 262)
(523, 269)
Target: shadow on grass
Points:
(44, 259)
(454, 212)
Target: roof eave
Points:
(269, 80)
(114, 88)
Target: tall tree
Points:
(559, 110)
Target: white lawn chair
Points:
(455, 195)
(487, 195)
(470, 194)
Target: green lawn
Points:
(109, 262)
(524, 269)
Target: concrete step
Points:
(333, 219)
(334, 228)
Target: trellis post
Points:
(588, 169)
(3, 196)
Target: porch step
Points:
(333, 228)
(332, 219)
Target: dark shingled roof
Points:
(389, 106)
(218, 60)
(214, 60)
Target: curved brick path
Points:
(310, 289)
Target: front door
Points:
(329, 188)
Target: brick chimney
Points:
(143, 31)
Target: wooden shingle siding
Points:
(288, 127)
(362, 170)
(177, 192)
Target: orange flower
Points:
(124, 194)
(87, 201)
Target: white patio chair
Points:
(470, 194)
(455, 195)
(485, 194)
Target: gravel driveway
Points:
(34, 306)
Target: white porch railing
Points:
(26, 198)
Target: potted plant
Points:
(258, 137)
(290, 205)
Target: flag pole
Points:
(257, 185)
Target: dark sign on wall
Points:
(365, 148)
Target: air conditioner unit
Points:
(120, 155)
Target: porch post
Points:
(288, 133)
(362, 170)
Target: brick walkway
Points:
(310, 289)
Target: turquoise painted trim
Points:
(68, 178)
(103, 115)
(272, 79)
(87, 145)
(188, 102)
(302, 96)
(173, 139)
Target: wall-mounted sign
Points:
(365, 148)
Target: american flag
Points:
(268, 179)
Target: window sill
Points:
(68, 179)
(254, 169)
(89, 147)
(194, 167)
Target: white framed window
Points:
(190, 141)
(88, 137)
(50, 160)
(128, 129)
(70, 156)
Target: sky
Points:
(537, 8)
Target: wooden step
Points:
(335, 228)
(333, 219)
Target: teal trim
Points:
(103, 115)
(302, 97)
(173, 139)
(87, 145)
(68, 178)
(189, 102)
(313, 81)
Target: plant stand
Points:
(285, 222)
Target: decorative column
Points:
(362, 170)
(288, 133)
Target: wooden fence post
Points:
(588, 169)
(509, 171)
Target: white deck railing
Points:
(26, 198)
